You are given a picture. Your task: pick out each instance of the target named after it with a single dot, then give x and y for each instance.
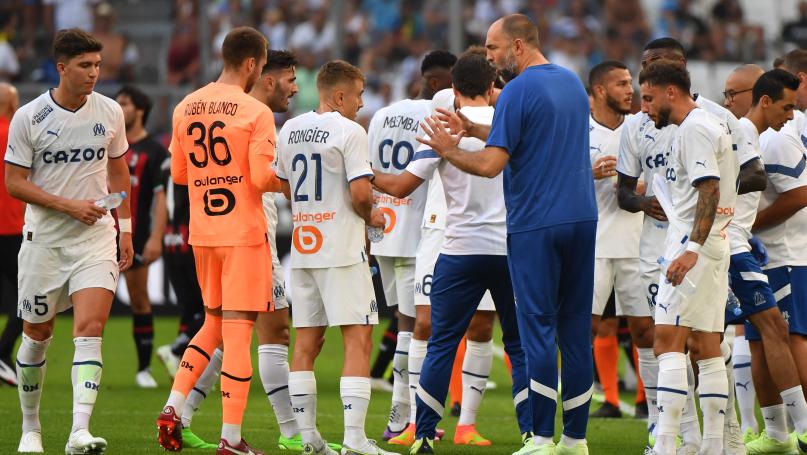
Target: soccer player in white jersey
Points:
(323, 159)
(700, 185)
(770, 106)
(64, 148)
(644, 148)
(616, 267)
(391, 135)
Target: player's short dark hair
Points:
(472, 75)
(73, 42)
(666, 73)
(796, 61)
(778, 62)
(279, 60)
(336, 72)
(138, 97)
(773, 84)
(600, 70)
(519, 26)
(242, 43)
(666, 43)
(438, 59)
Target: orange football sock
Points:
(236, 369)
(606, 356)
(455, 386)
(197, 355)
(508, 364)
(640, 396)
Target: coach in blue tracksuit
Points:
(539, 138)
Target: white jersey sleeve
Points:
(784, 161)
(628, 160)
(743, 148)
(19, 151)
(355, 153)
(745, 211)
(424, 163)
(119, 145)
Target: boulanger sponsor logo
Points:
(307, 239)
(389, 215)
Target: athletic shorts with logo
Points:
(398, 278)
(48, 275)
(619, 275)
(750, 286)
(235, 278)
(335, 296)
(789, 287)
(431, 241)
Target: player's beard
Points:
(663, 118)
(509, 69)
(615, 105)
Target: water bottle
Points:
(111, 201)
(686, 288)
(375, 234)
(733, 304)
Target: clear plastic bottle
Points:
(111, 201)
(733, 304)
(686, 288)
(375, 234)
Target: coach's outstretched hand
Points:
(126, 251)
(438, 137)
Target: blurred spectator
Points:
(62, 14)
(796, 32)
(383, 14)
(732, 37)
(183, 51)
(9, 64)
(316, 34)
(678, 22)
(274, 27)
(118, 55)
(307, 99)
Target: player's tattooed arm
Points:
(630, 199)
(752, 177)
(708, 197)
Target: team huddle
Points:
(502, 190)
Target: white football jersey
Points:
(434, 213)
(644, 150)
(67, 153)
(618, 231)
(392, 134)
(319, 155)
(475, 220)
(746, 210)
(783, 153)
(701, 149)
(743, 148)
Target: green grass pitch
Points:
(125, 414)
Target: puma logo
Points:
(647, 136)
(740, 384)
(478, 390)
(702, 163)
(53, 133)
(661, 409)
(663, 307)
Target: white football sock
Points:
(690, 428)
(86, 377)
(399, 410)
(273, 364)
(713, 390)
(203, 385)
(648, 370)
(744, 384)
(796, 407)
(775, 420)
(231, 433)
(303, 391)
(31, 378)
(475, 371)
(417, 352)
(672, 386)
(355, 392)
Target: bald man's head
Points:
(511, 43)
(519, 26)
(738, 89)
(9, 100)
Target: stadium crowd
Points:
(682, 218)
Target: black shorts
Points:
(181, 269)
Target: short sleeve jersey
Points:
(319, 155)
(784, 156)
(216, 129)
(644, 150)
(702, 149)
(434, 213)
(67, 153)
(618, 231)
(746, 210)
(744, 152)
(541, 120)
(392, 135)
(145, 158)
(475, 220)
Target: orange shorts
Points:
(235, 278)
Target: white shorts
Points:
(431, 241)
(398, 278)
(48, 275)
(620, 275)
(333, 296)
(705, 309)
(278, 284)
(649, 272)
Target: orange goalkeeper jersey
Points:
(222, 147)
